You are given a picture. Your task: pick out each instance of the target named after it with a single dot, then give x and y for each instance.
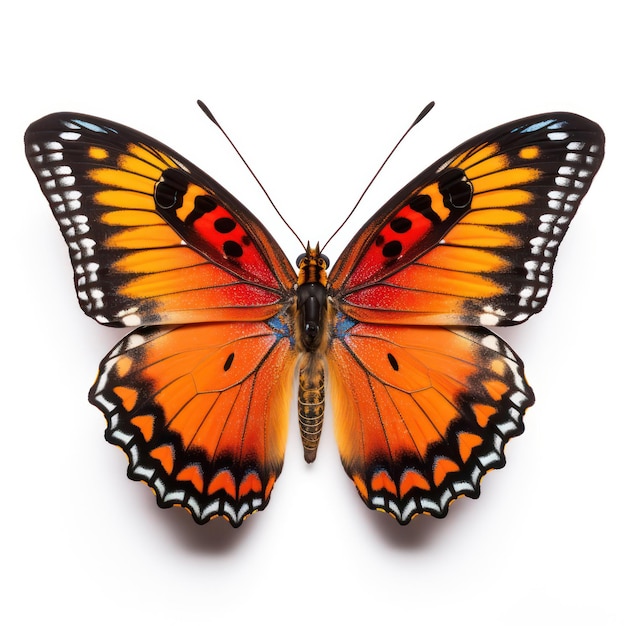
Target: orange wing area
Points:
(422, 413)
(152, 239)
(201, 411)
(472, 241)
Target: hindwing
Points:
(201, 411)
(422, 412)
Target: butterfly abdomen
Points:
(312, 341)
(311, 403)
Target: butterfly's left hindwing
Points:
(152, 239)
(472, 240)
(422, 413)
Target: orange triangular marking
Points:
(194, 475)
(223, 481)
(483, 413)
(381, 481)
(127, 395)
(412, 479)
(145, 423)
(443, 467)
(467, 442)
(251, 482)
(164, 454)
(496, 388)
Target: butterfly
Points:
(424, 396)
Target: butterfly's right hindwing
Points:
(201, 411)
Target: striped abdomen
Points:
(311, 403)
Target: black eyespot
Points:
(400, 225)
(232, 249)
(224, 225)
(392, 249)
(170, 189)
(456, 189)
(393, 362)
(229, 361)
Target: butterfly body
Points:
(312, 338)
(424, 396)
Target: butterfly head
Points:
(312, 266)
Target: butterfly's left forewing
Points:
(198, 402)
(425, 399)
(473, 239)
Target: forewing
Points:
(201, 410)
(152, 239)
(422, 413)
(473, 239)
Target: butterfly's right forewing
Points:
(152, 239)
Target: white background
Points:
(314, 94)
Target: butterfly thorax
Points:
(311, 321)
(311, 297)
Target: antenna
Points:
(418, 119)
(210, 115)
